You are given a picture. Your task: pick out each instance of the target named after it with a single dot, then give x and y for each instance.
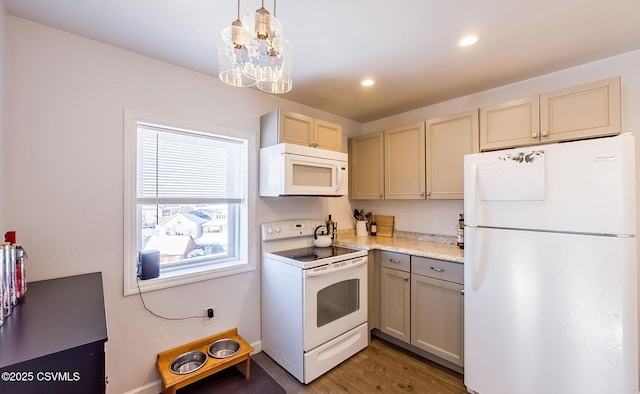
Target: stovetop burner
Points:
(313, 254)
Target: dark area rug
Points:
(231, 381)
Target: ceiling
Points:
(408, 47)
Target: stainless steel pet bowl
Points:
(223, 348)
(188, 362)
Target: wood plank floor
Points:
(381, 367)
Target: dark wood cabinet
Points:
(53, 342)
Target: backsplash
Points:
(424, 237)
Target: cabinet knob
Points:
(437, 269)
(394, 261)
(428, 194)
(381, 195)
(406, 278)
(462, 292)
(422, 194)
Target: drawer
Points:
(396, 261)
(438, 269)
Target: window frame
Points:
(246, 259)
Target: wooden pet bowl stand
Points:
(172, 382)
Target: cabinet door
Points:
(327, 135)
(366, 167)
(448, 140)
(584, 111)
(510, 124)
(404, 162)
(437, 317)
(296, 128)
(395, 304)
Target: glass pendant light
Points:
(254, 52)
(269, 53)
(233, 56)
(276, 77)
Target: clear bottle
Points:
(374, 225)
(7, 280)
(21, 272)
(3, 315)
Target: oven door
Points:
(335, 300)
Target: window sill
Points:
(186, 276)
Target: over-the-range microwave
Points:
(297, 170)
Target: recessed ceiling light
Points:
(468, 41)
(368, 82)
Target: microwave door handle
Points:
(337, 177)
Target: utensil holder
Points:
(361, 228)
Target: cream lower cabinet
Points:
(583, 111)
(448, 139)
(395, 293)
(437, 307)
(366, 167)
(422, 304)
(404, 162)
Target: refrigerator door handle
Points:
(470, 200)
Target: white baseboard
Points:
(150, 388)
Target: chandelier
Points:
(253, 52)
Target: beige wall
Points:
(65, 97)
(440, 217)
(3, 17)
(62, 133)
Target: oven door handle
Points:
(357, 262)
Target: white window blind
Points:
(177, 167)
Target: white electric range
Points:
(314, 300)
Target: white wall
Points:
(440, 217)
(3, 17)
(62, 151)
(63, 139)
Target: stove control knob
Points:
(278, 229)
(269, 230)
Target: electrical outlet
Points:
(209, 315)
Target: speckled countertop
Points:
(409, 245)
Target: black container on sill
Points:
(149, 264)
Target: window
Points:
(187, 197)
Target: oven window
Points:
(338, 300)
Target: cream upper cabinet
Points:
(514, 123)
(366, 167)
(279, 126)
(448, 139)
(585, 111)
(327, 135)
(404, 162)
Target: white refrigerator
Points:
(551, 270)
